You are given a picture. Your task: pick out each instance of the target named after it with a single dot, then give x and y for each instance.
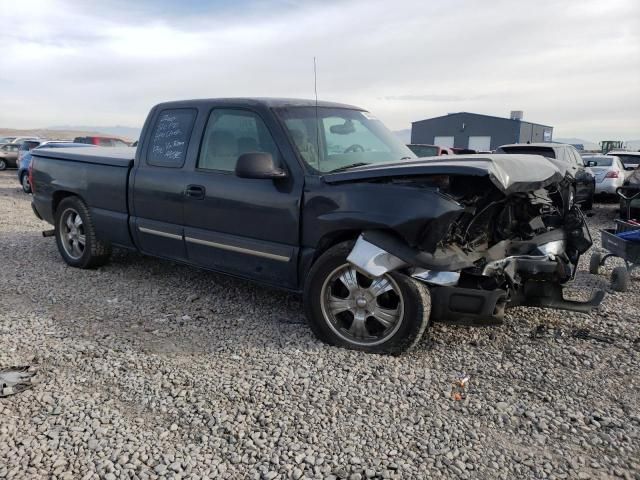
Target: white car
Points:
(608, 171)
(629, 159)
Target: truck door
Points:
(158, 185)
(245, 227)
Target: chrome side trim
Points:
(233, 248)
(373, 260)
(159, 233)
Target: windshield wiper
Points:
(347, 167)
(406, 158)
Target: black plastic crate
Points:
(629, 251)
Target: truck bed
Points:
(99, 175)
(114, 157)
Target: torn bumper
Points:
(528, 279)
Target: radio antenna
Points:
(315, 90)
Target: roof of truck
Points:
(262, 101)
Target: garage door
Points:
(480, 143)
(443, 141)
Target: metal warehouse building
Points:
(478, 132)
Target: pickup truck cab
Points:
(320, 198)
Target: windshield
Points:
(330, 139)
(7, 139)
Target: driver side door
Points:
(241, 226)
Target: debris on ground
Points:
(15, 380)
(458, 388)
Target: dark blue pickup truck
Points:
(320, 198)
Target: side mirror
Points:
(258, 165)
(629, 168)
(591, 163)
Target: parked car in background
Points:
(17, 140)
(26, 146)
(567, 158)
(303, 195)
(101, 141)
(25, 162)
(425, 150)
(608, 171)
(630, 160)
(8, 156)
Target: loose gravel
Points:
(147, 369)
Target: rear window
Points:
(528, 150)
(28, 145)
(170, 137)
(629, 160)
(599, 161)
(424, 150)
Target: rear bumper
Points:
(607, 187)
(35, 211)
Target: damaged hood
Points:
(509, 173)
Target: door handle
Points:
(195, 191)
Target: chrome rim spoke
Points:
(338, 305)
(81, 240)
(379, 286)
(77, 221)
(69, 221)
(358, 326)
(349, 279)
(385, 316)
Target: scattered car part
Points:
(14, 380)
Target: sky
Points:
(572, 64)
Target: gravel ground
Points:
(147, 369)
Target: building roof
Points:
(481, 115)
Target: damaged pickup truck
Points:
(322, 199)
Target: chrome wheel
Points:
(25, 183)
(361, 310)
(72, 233)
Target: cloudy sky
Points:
(573, 64)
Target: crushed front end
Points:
(513, 241)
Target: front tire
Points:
(3, 165)
(76, 236)
(388, 314)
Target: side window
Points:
(229, 134)
(170, 137)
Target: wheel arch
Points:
(58, 196)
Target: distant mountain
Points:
(633, 145)
(131, 133)
(588, 144)
(404, 135)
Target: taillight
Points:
(612, 174)
(33, 161)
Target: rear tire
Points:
(24, 181)
(620, 279)
(3, 165)
(388, 314)
(76, 236)
(594, 263)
